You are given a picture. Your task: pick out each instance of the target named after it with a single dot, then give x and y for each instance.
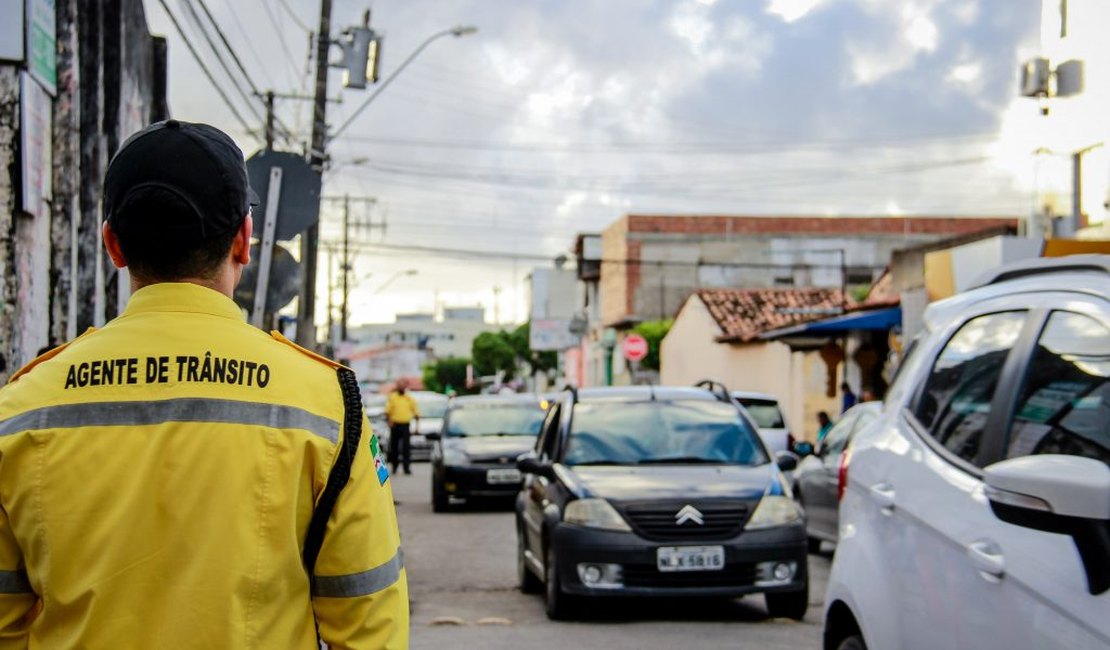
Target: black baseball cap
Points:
(177, 182)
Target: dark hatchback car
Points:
(475, 455)
(652, 491)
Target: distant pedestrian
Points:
(175, 479)
(867, 395)
(825, 424)
(401, 413)
(848, 397)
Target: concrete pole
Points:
(310, 239)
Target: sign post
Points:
(266, 247)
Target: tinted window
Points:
(430, 405)
(1064, 406)
(956, 398)
(765, 412)
(681, 431)
(495, 420)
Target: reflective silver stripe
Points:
(14, 582)
(360, 584)
(188, 409)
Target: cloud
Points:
(792, 10)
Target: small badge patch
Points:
(379, 460)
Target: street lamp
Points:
(457, 31)
(394, 277)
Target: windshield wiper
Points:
(681, 460)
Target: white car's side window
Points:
(956, 398)
(1064, 406)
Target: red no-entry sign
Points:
(635, 347)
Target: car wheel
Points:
(558, 605)
(440, 501)
(529, 582)
(854, 642)
(788, 604)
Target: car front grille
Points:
(647, 575)
(659, 520)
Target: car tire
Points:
(788, 604)
(813, 545)
(528, 581)
(854, 642)
(440, 501)
(559, 606)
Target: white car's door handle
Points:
(883, 494)
(986, 557)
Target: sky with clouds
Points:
(491, 151)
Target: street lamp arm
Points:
(454, 31)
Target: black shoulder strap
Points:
(340, 471)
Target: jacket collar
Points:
(182, 297)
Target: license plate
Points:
(502, 476)
(690, 558)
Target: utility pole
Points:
(269, 99)
(346, 266)
(310, 239)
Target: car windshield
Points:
(656, 432)
(765, 412)
(431, 406)
(499, 420)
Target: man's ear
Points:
(241, 245)
(111, 244)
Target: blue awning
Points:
(871, 320)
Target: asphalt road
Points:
(462, 581)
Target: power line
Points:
(281, 37)
(250, 43)
(207, 72)
(289, 11)
(220, 59)
(286, 133)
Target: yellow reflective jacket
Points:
(157, 478)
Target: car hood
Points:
(429, 425)
(622, 483)
(493, 446)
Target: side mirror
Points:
(786, 461)
(803, 448)
(433, 435)
(1058, 494)
(529, 463)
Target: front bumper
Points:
(640, 576)
(472, 481)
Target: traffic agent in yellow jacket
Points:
(157, 479)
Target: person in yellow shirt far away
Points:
(401, 413)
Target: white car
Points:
(975, 511)
(764, 409)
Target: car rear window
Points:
(431, 407)
(765, 412)
(661, 432)
(490, 420)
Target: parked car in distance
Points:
(817, 475)
(475, 454)
(656, 491)
(976, 509)
(765, 410)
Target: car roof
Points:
(745, 394)
(487, 400)
(643, 393)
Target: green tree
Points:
(653, 332)
(538, 361)
(446, 373)
(492, 352)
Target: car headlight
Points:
(774, 510)
(455, 456)
(595, 513)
